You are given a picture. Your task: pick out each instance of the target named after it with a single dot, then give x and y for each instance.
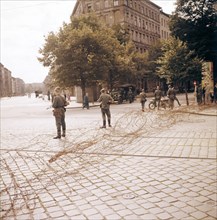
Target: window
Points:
(135, 21)
(97, 6)
(106, 4)
(116, 2)
(89, 7)
(126, 2)
(139, 22)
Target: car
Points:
(125, 92)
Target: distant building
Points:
(10, 86)
(5, 82)
(18, 87)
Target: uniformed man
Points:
(59, 104)
(105, 101)
(171, 95)
(157, 95)
(143, 99)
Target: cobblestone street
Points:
(149, 165)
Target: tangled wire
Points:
(28, 173)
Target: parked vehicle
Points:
(164, 103)
(123, 93)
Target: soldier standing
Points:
(157, 95)
(171, 95)
(142, 99)
(59, 104)
(86, 101)
(105, 100)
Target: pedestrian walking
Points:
(171, 96)
(143, 99)
(59, 103)
(86, 101)
(105, 101)
(48, 95)
(175, 98)
(157, 96)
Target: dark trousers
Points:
(60, 123)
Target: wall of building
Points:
(10, 86)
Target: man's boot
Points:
(109, 122)
(58, 135)
(64, 133)
(104, 124)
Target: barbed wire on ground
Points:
(27, 175)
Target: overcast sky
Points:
(23, 27)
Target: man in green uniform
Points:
(59, 104)
(105, 100)
(171, 95)
(157, 95)
(142, 96)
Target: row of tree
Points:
(86, 51)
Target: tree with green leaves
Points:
(195, 23)
(178, 65)
(82, 52)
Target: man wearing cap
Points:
(143, 99)
(171, 95)
(59, 104)
(105, 100)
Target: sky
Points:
(24, 26)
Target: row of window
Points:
(145, 10)
(142, 23)
(143, 38)
(164, 34)
(130, 3)
(164, 22)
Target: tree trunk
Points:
(186, 94)
(83, 89)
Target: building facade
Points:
(5, 82)
(142, 18)
(164, 26)
(10, 86)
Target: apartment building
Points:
(10, 86)
(164, 26)
(141, 17)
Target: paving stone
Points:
(148, 217)
(179, 215)
(164, 216)
(73, 212)
(96, 217)
(155, 211)
(78, 217)
(125, 212)
(198, 215)
(213, 213)
(89, 212)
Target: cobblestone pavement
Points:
(151, 165)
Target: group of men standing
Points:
(59, 103)
(171, 94)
